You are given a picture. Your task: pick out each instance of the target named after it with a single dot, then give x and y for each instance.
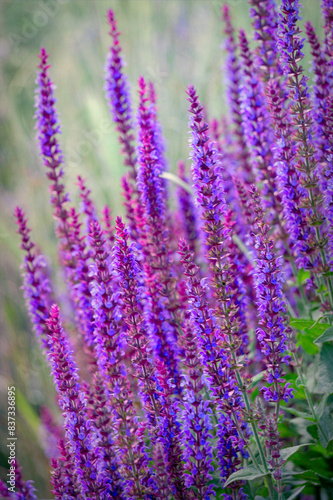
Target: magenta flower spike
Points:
(87, 465)
(272, 319)
(234, 92)
(36, 284)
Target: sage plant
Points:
(187, 317)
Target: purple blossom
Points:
(234, 91)
(264, 15)
(195, 416)
(36, 284)
(257, 128)
(72, 401)
(271, 333)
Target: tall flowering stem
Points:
(217, 362)
(291, 192)
(118, 97)
(257, 127)
(218, 234)
(272, 331)
(72, 401)
(48, 130)
(196, 419)
(234, 93)
(72, 247)
(291, 46)
(264, 15)
(160, 279)
(321, 89)
(36, 285)
(110, 355)
(188, 212)
(156, 391)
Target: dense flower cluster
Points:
(181, 315)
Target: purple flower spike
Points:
(196, 419)
(188, 214)
(88, 207)
(214, 353)
(234, 92)
(210, 197)
(118, 96)
(36, 285)
(271, 333)
(62, 474)
(327, 9)
(73, 403)
(109, 336)
(264, 15)
(24, 489)
(47, 134)
(163, 305)
(257, 128)
(291, 46)
(128, 275)
(292, 193)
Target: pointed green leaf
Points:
(301, 414)
(247, 473)
(286, 453)
(295, 493)
(327, 336)
(325, 370)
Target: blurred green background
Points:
(171, 42)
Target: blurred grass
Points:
(173, 43)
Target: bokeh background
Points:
(171, 42)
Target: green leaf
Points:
(325, 427)
(325, 370)
(327, 336)
(301, 414)
(300, 324)
(307, 344)
(295, 493)
(286, 453)
(247, 473)
(302, 277)
(312, 327)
